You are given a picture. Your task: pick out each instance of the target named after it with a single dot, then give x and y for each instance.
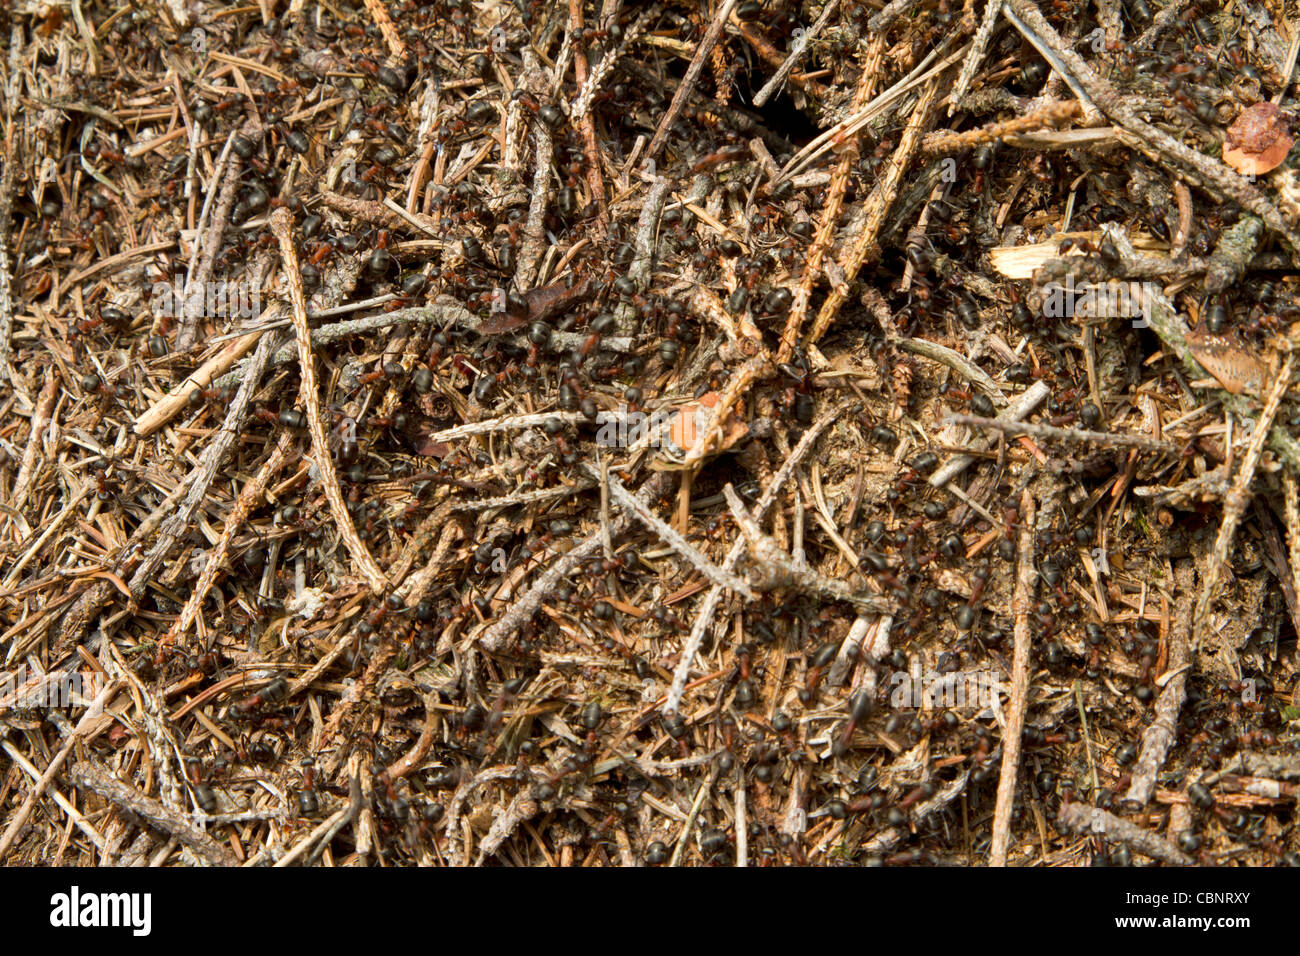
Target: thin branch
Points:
(1022, 607)
(281, 220)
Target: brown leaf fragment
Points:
(1258, 140)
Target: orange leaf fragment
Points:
(1258, 140)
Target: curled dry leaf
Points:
(1235, 368)
(1258, 140)
(689, 426)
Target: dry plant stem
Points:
(249, 496)
(177, 399)
(882, 197)
(674, 540)
(976, 55)
(586, 126)
(6, 270)
(494, 637)
(1076, 435)
(1208, 171)
(280, 223)
(1022, 605)
(776, 569)
(213, 457)
(87, 776)
(207, 245)
(1163, 730)
(1053, 114)
(386, 26)
(796, 54)
(1292, 530)
(830, 215)
(1082, 818)
(93, 712)
(1234, 505)
(39, 422)
(704, 616)
(955, 361)
(702, 52)
(530, 250)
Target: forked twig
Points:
(281, 220)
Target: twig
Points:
(523, 807)
(199, 271)
(249, 497)
(955, 361)
(40, 421)
(709, 41)
(796, 54)
(776, 569)
(494, 636)
(281, 220)
(445, 311)
(829, 222)
(586, 126)
(1163, 730)
(1292, 529)
(893, 10)
(705, 615)
(647, 231)
(1021, 408)
(90, 777)
(976, 55)
(1077, 435)
(93, 712)
(530, 249)
(1022, 606)
(674, 540)
(6, 206)
(684, 839)
(1053, 114)
(213, 456)
(1082, 818)
(1168, 14)
(865, 246)
(386, 26)
(508, 423)
(174, 401)
(1234, 505)
(323, 831)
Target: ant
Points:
(269, 694)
